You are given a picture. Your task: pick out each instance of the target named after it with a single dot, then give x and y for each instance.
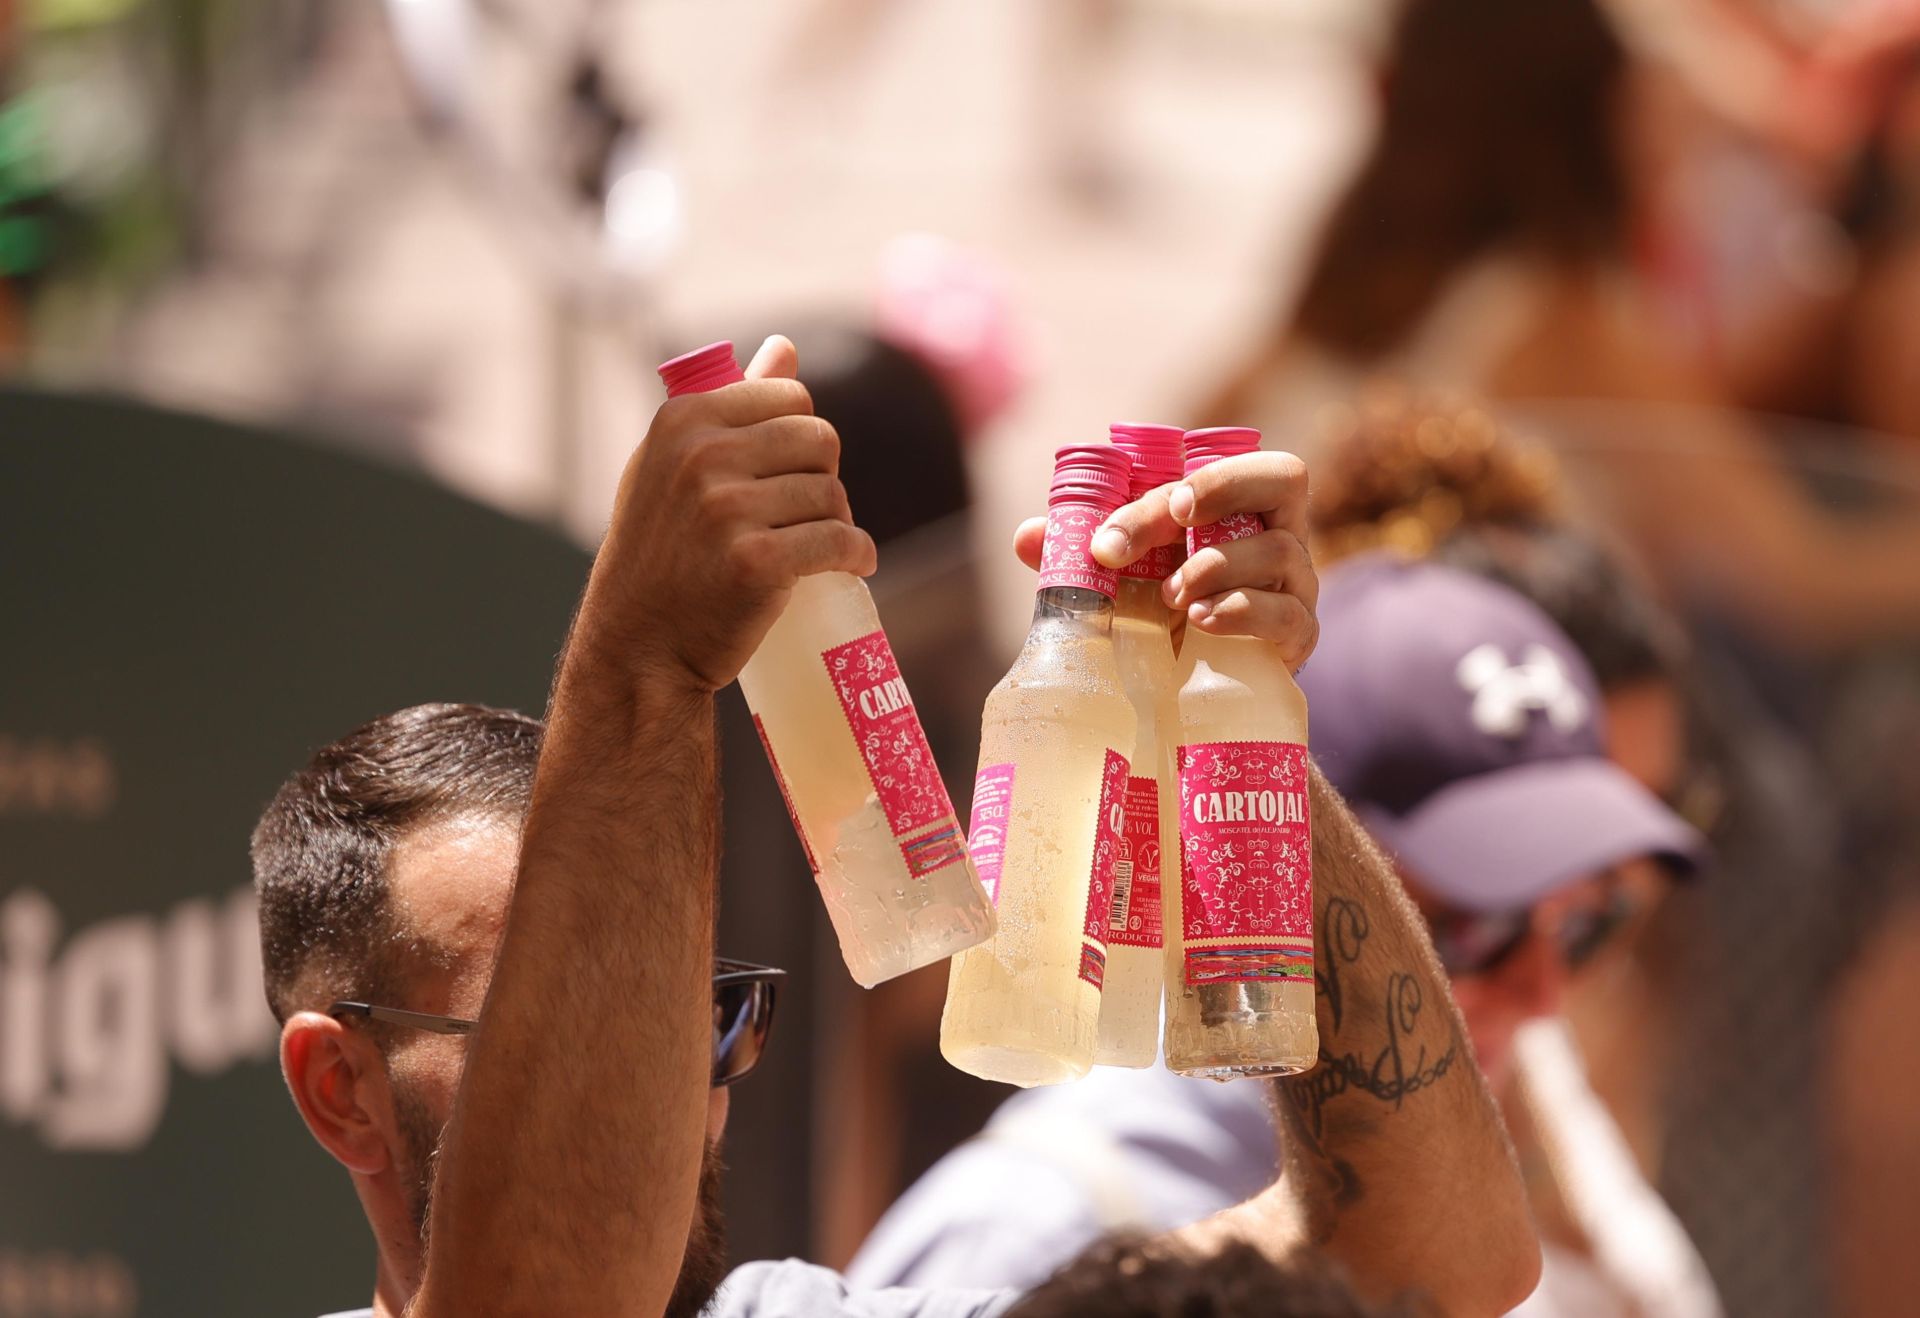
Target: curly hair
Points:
(1444, 480)
(1403, 472)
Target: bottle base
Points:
(1129, 1059)
(906, 923)
(1230, 1031)
(1224, 1071)
(1013, 1066)
(930, 939)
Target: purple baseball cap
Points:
(1469, 736)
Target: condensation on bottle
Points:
(1049, 807)
(853, 763)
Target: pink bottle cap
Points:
(702, 370)
(1156, 453)
(1204, 446)
(1097, 474)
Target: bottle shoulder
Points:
(1057, 673)
(824, 610)
(1238, 684)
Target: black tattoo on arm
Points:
(1395, 1128)
(1342, 929)
(1368, 1045)
(1390, 1075)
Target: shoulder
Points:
(793, 1289)
(1596, 333)
(1058, 1167)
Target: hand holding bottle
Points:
(731, 498)
(827, 697)
(1262, 586)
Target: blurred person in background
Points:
(1744, 1035)
(1787, 241)
(1443, 482)
(422, 880)
(1470, 734)
(1492, 240)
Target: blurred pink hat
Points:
(949, 307)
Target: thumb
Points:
(777, 359)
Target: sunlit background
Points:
(456, 236)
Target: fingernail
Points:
(1173, 586)
(1199, 611)
(1180, 502)
(761, 351)
(1110, 543)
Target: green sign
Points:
(188, 609)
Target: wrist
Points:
(622, 649)
(619, 692)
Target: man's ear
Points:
(340, 1086)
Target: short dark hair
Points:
(1133, 1277)
(320, 851)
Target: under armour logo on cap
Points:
(1505, 693)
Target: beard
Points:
(702, 1267)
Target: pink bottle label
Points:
(1108, 831)
(1157, 564)
(1133, 915)
(899, 761)
(1246, 893)
(1236, 526)
(1066, 559)
(786, 795)
(987, 831)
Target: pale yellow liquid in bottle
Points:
(1017, 1008)
(1129, 1032)
(1233, 689)
(888, 920)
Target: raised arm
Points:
(1396, 1158)
(568, 1177)
(1397, 1163)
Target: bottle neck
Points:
(1138, 604)
(1248, 668)
(1072, 608)
(1066, 556)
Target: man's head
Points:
(1470, 735)
(384, 869)
(1447, 482)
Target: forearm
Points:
(560, 1190)
(1396, 1156)
(1396, 1163)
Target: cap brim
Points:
(1500, 841)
